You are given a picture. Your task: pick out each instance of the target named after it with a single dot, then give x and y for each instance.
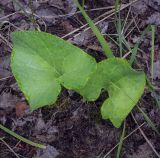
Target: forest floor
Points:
(73, 128)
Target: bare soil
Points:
(73, 128)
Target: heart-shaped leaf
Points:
(124, 85)
(41, 62)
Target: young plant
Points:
(42, 63)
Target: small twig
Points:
(28, 14)
(136, 24)
(128, 25)
(131, 30)
(9, 148)
(11, 24)
(126, 55)
(5, 78)
(7, 16)
(78, 12)
(6, 41)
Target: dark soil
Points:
(73, 128)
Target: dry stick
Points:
(145, 137)
(96, 23)
(5, 78)
(126, 55)
(88, 27)
(134, 18)
(124, 30)
(7, 16)
(131, 30)
(6, 41)
(129, 24)
(124, 139)
(9, 148)
(78, 29)
(124, 33)
(71, 14)
(126, 42)
(122, 7)
(125, 22)
(59, 16)
(109, 13)
(18, 28)
(27, 14)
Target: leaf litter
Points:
(82, 138)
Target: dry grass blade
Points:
(5, 78)
(123, 6)
(110, 151)
(6, 41)
(108, 14)
(152, 51)
(148, 120)
(131, 28)
(7, 16)
(1, 139)
(135, 49)
(145, 137)
(118, 24)
(128, 25)
(125, 22)
(71, 14)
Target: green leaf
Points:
(40, 62)
(77, 69)
(124, 85)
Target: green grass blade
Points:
(104, 44)
(152, 51)
(135, 49)
(156, 97)
(148, 120)
(83, 3)
(121, 141)
(150, 85)
(152, 90)
(21, 138)
(126, 43)
(118, 25)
